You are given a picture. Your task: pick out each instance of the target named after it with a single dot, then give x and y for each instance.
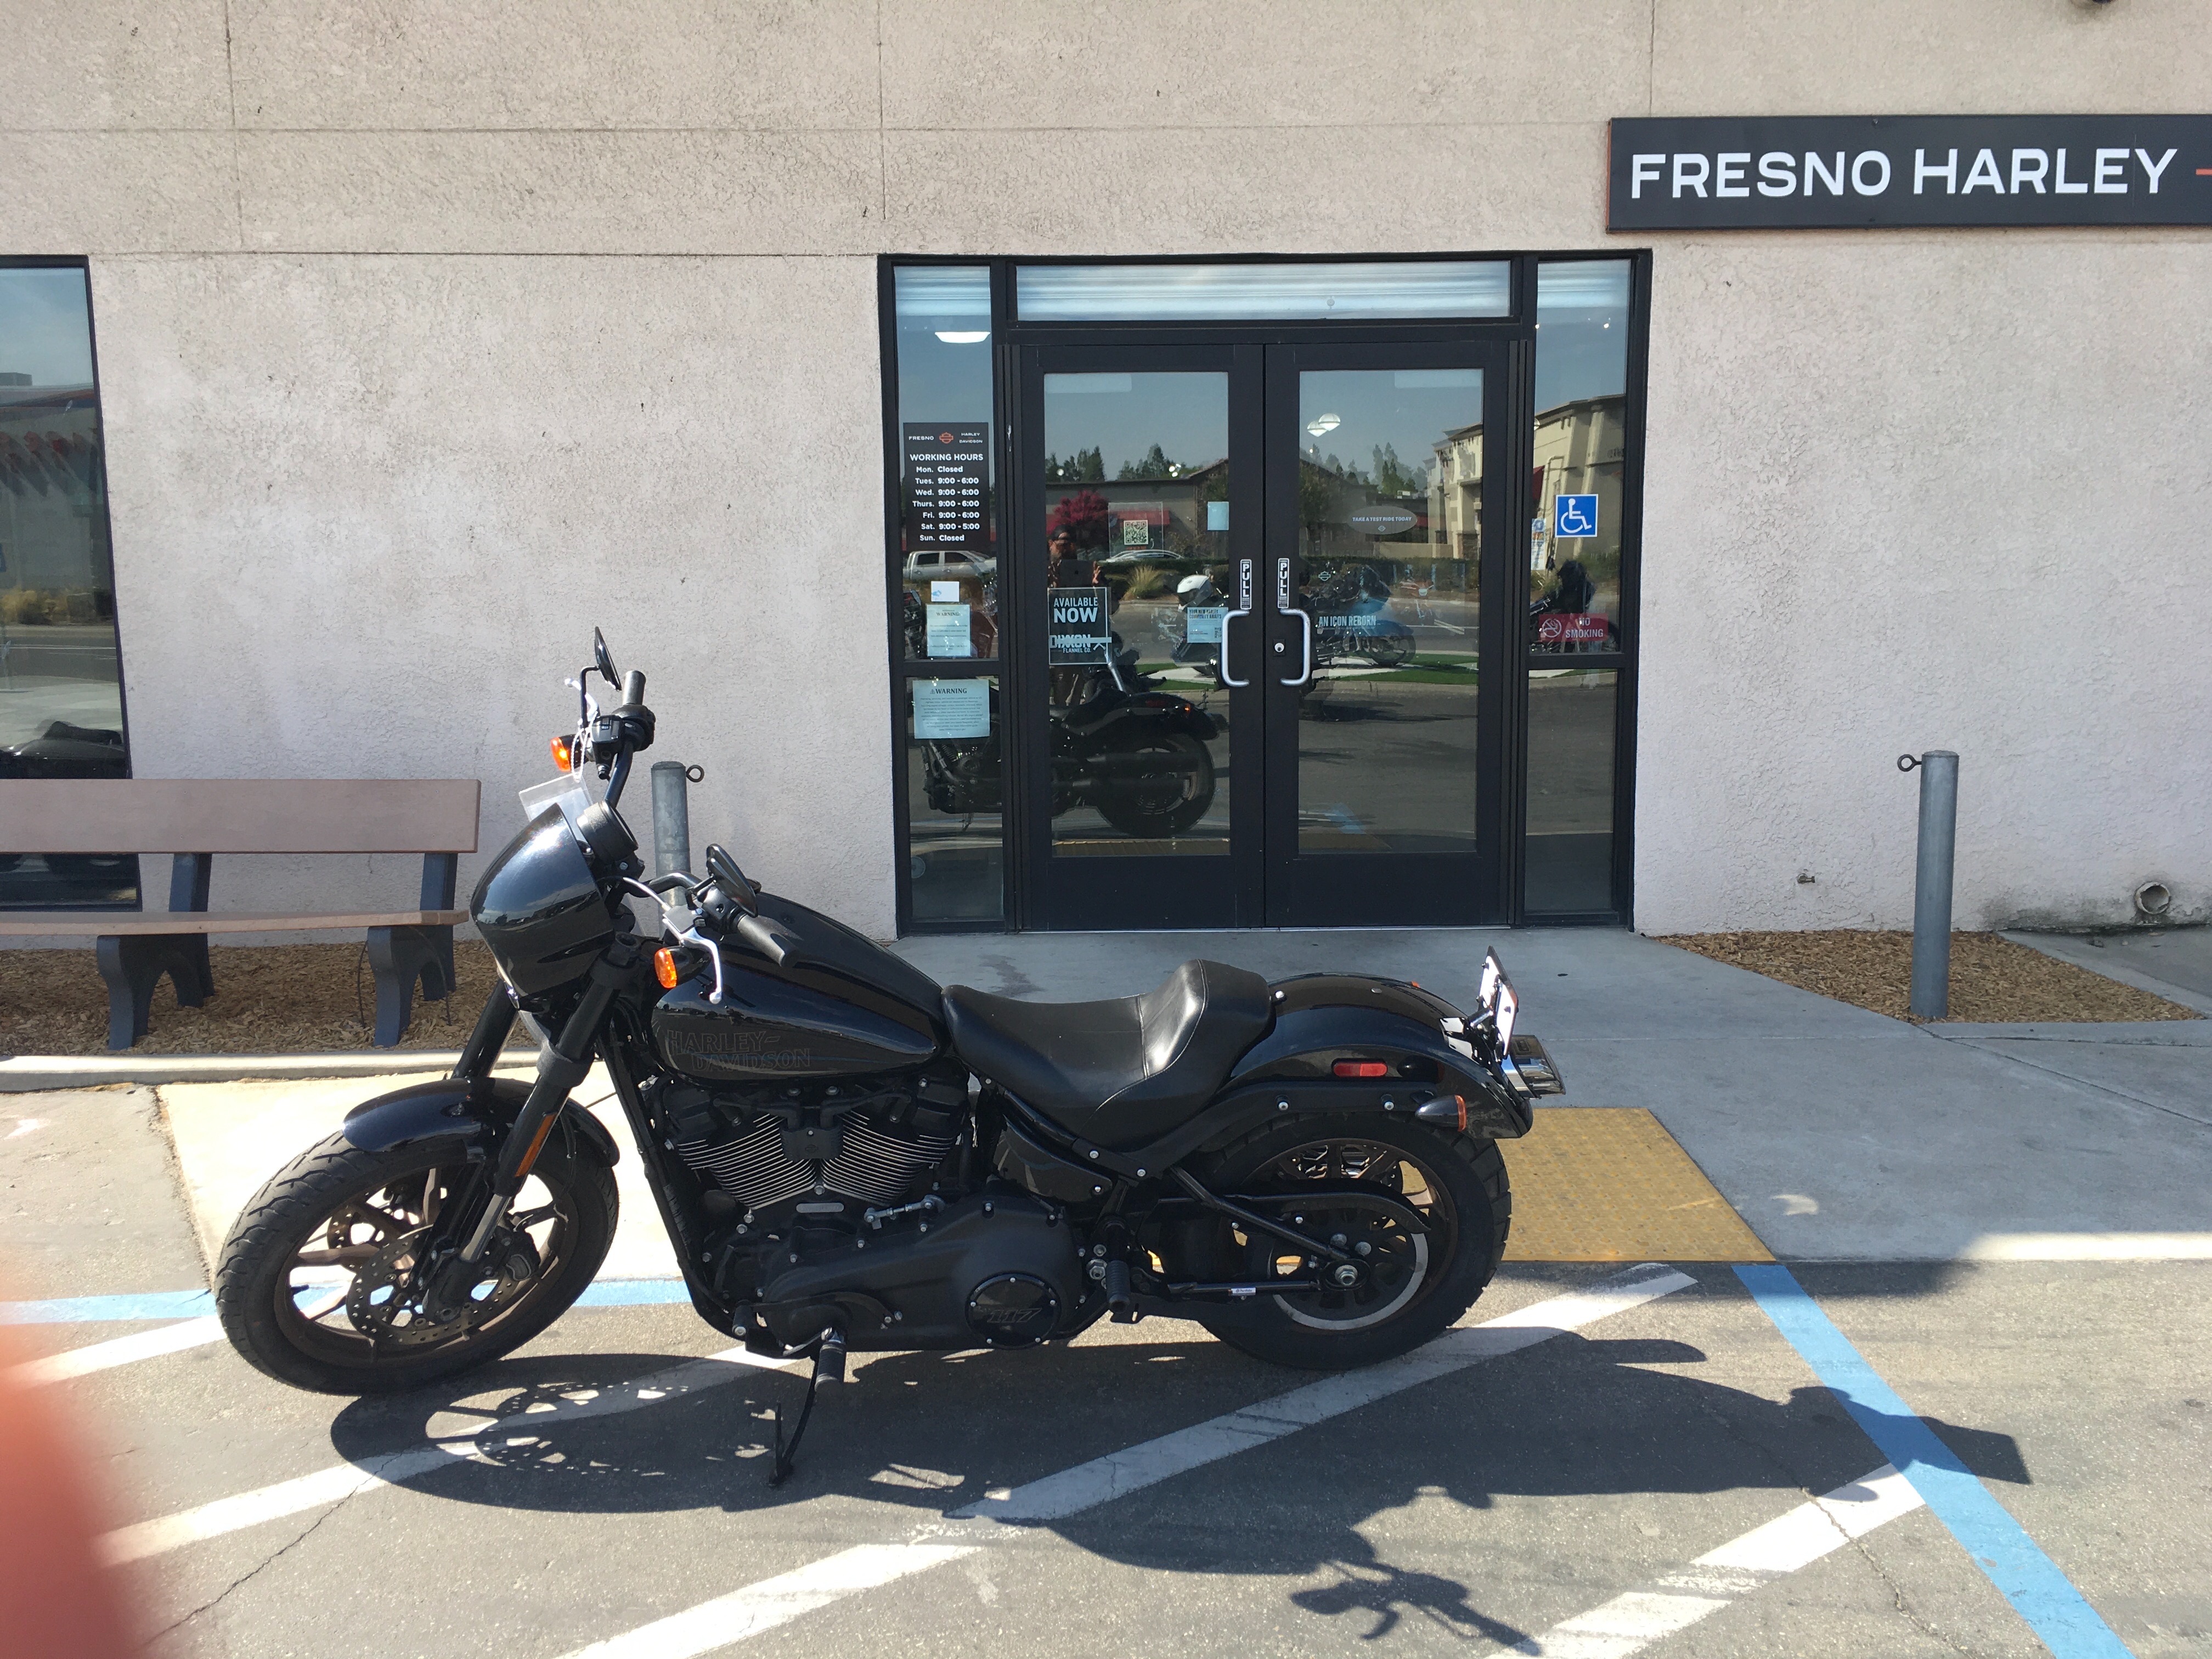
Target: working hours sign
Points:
(1805, 172)
(1079, 634)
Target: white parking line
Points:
(1104, 1479)
(120, 1351)
(732, 1619)
(1632, 1622)
(773, 1602)
(344, 1480)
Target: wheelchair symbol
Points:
(1577, 515)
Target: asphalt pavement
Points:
(1603, 1459)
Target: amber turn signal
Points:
(664, 969)
(563, 757)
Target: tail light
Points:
(1360, 1068)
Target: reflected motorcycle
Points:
(1121, 745)
(849, 1156)
(65, 750)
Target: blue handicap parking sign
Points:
(1577, 515)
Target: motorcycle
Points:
(1348, 621)
(1135, 753)
(1562, 620)
(849, 1156)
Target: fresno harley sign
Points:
(1849, 172)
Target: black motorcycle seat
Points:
(1121, 1073)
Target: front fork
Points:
(563, 1063)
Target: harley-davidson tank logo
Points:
(738, 1051)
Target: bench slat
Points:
(19, 924)
(239, 815)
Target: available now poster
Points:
(946, 709)
(1078, 632)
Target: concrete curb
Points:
(2140, 1033)
(24, 1074)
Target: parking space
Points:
(1606, 1458)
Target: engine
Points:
(825, 1151)
(843, 1203)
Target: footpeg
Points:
(1119, 1302)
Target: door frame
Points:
(1518, 327)
(1325, 889)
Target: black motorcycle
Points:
(849, 1156)
(1120, 744)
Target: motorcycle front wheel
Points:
(1413, 1284)
(321, 1282)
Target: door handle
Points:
(1305, 621)
(1243, 609)
(1223, 665)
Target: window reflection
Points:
(61, 682)
(1390, 478)
(949, 569)
(955, 773)
(1568, 864)
(1136, 494)
(1582, 385)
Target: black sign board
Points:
(1079, 630)
(947, 486)
(1843, 172)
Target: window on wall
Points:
(1579, 490)
(61, 676)
(947, 549)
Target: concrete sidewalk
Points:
(1838, 1134)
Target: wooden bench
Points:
(435, 816)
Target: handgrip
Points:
(763, 936)
(634, 687)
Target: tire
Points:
(1172, 788)
(258, 1300)
(1388, 650)
(1469, 1206)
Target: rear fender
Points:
(1325, 1020)
(478, 1112)
(1160, 710)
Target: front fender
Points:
(477, 1112)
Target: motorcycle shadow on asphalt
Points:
(1571, 1418)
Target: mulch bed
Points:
(1992, 978)
(269, 1000)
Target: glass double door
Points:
(1250, 686)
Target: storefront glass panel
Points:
(1568, 855)
(1390, 505)
(61, 679)
(947, 517)
(956, 807)
(1135, 490)
(1247, 292)
(1580, 446)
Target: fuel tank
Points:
(837, 1006)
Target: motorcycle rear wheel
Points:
(1168, 785)
(1424, 1284)
(310, 1283)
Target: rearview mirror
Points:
(603, 660)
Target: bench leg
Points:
(133, 963)
(399, 957)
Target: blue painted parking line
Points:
(1997, 1544)
(194, 1305)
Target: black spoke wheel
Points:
(1154, 783)
(1365, 1172)
(331, 1280)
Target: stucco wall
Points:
(423, 326)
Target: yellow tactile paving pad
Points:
(1610, 1184)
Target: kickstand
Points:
(829, 1367)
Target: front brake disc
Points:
(395, 1299)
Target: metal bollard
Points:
(672, 817)
(1931, 886)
